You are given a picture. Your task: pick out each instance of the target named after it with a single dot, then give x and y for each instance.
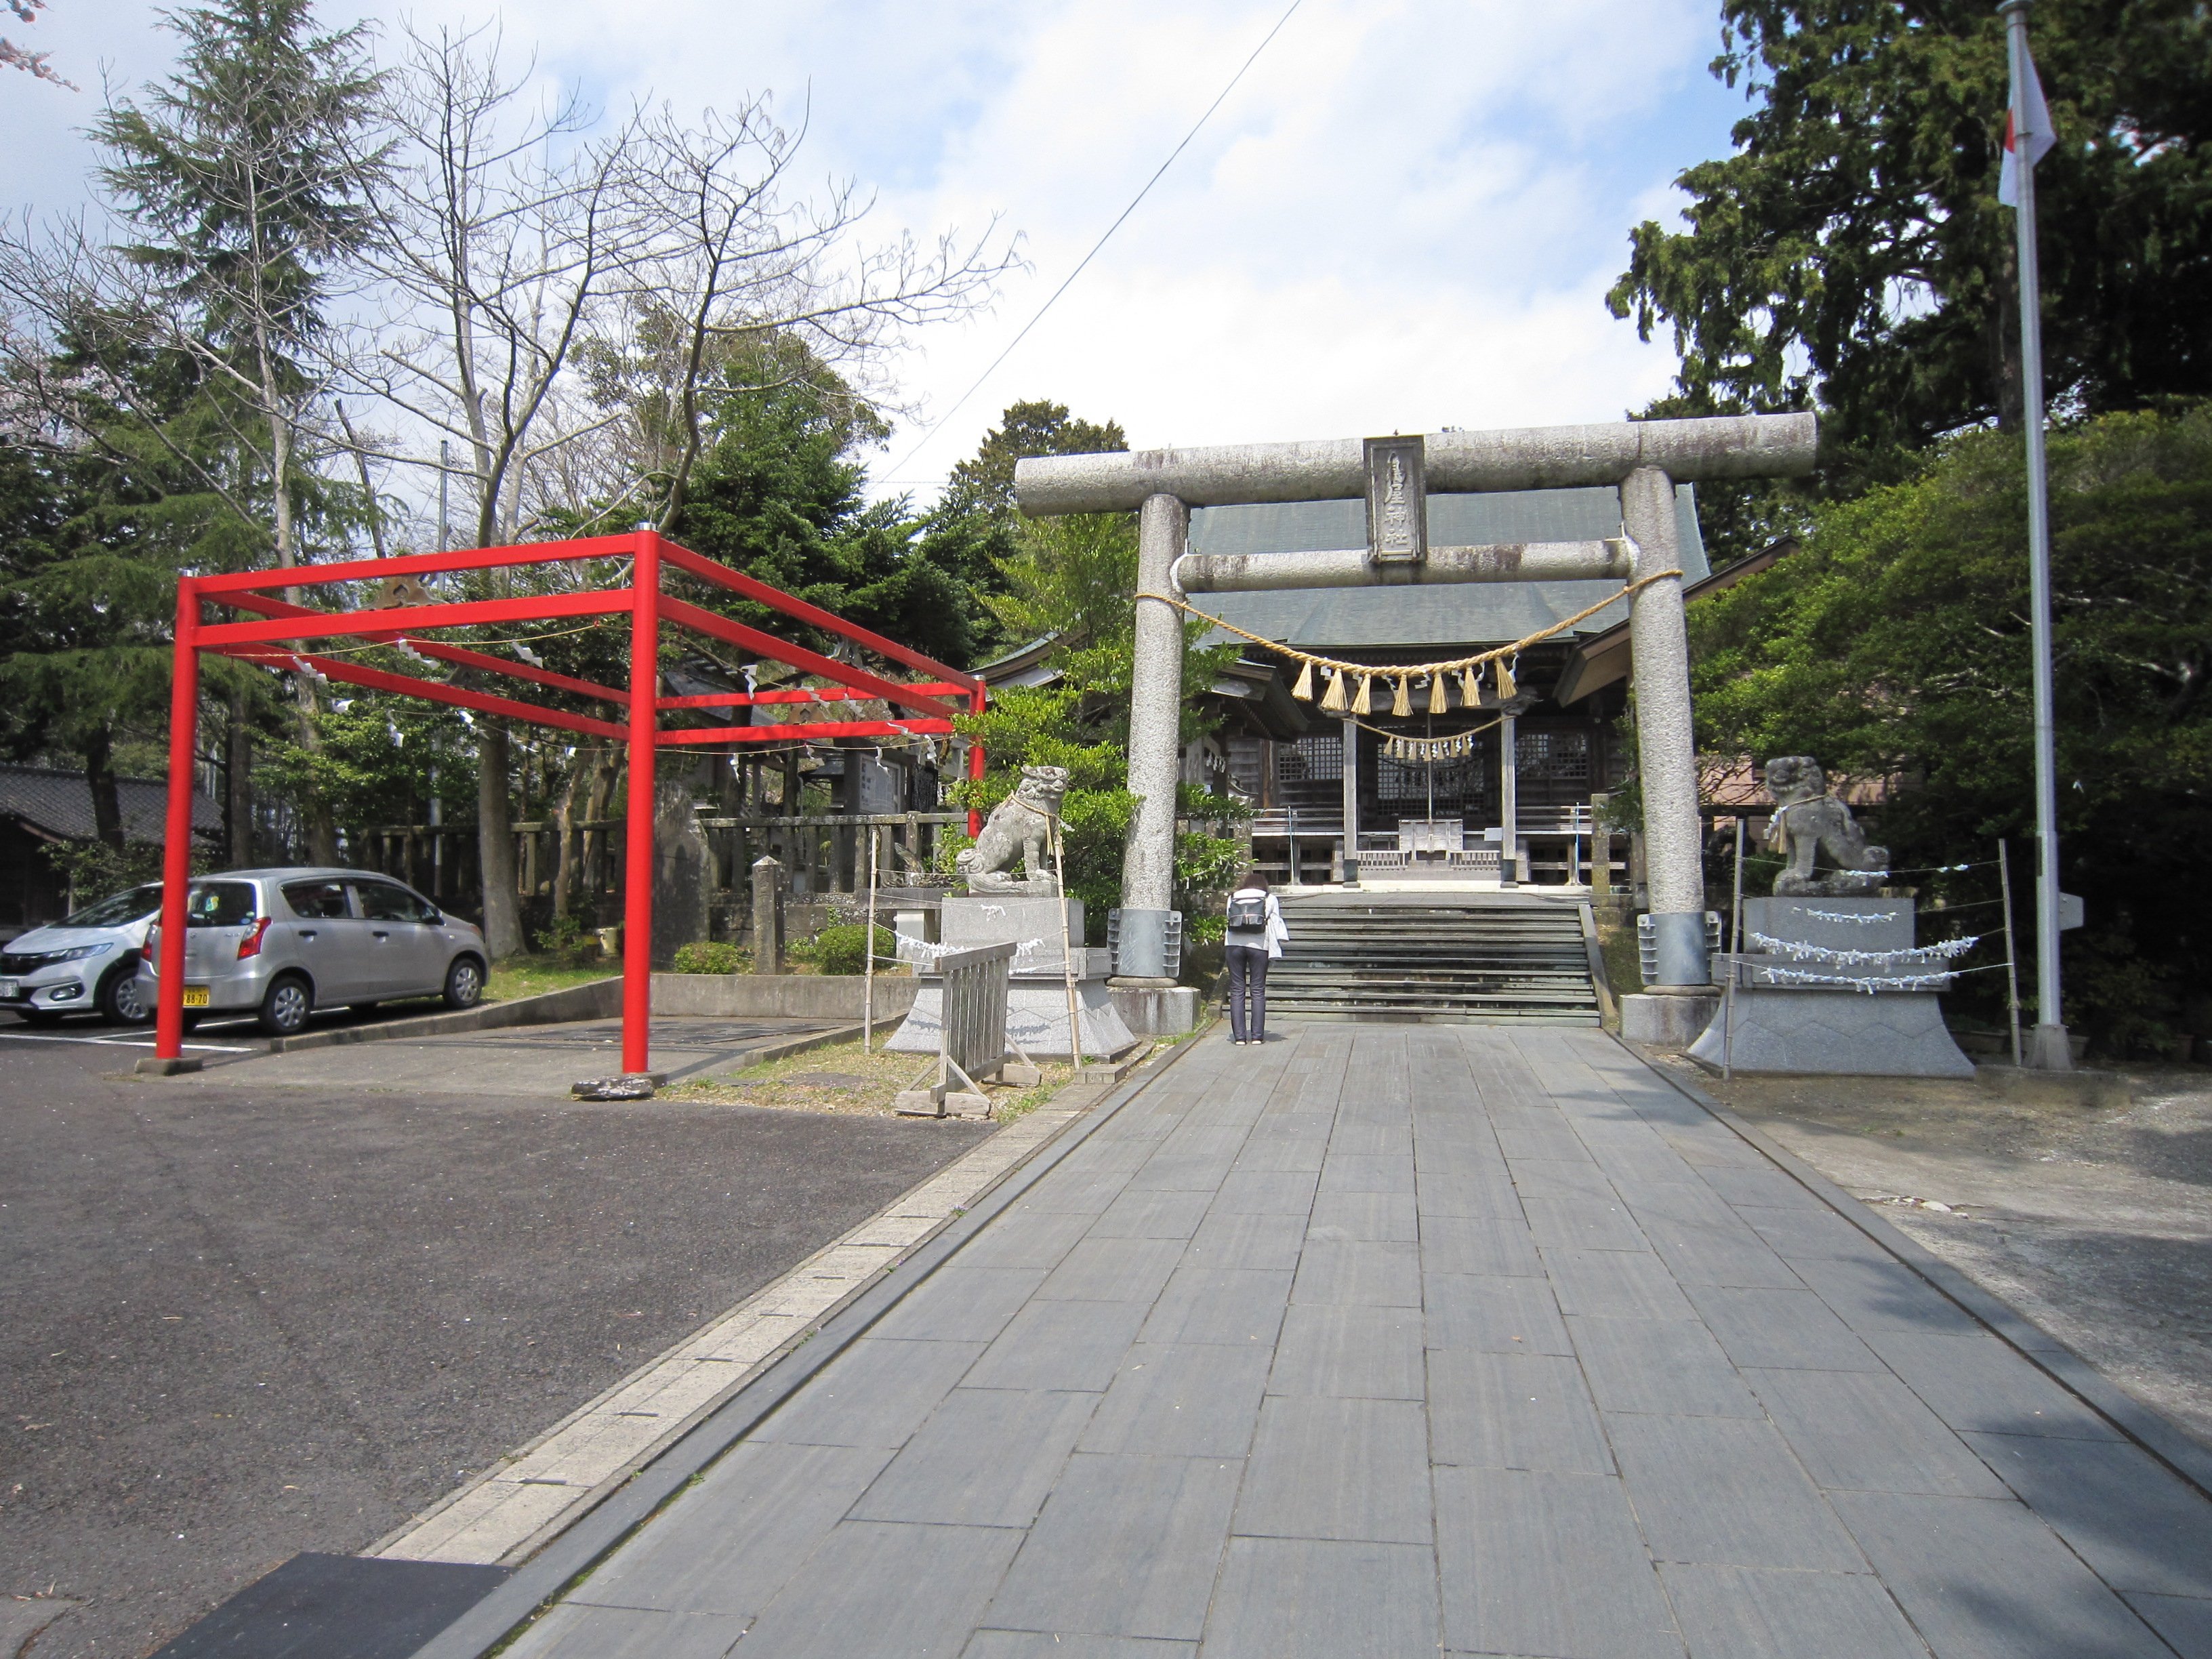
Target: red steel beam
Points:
(177, 849)
(807, 734)
(637, 843)
(802, 694)
(412, 564)
(685, 615)
(405, 619)
(379, 679)
(738, 582)
(459, 655)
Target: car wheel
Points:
(40, 1017)
(285, 1007)
(464, 983)
(121, 1000)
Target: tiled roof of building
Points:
(1473, 613)
(60, 804)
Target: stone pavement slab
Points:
(1402, 1341)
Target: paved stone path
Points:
(1388, 1342)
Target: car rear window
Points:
(383, 901)
(121, 908)
(316, 901)
(219, 904)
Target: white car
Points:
(85, 963)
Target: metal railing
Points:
(971, 1030)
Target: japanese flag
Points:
(2037, 140)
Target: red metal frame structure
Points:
(278, 626)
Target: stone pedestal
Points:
(1036, 988)
(1666, 1021)
(1776, 1025)
(1156, 1011)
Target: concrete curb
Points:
(2134, 1420)
(599, 998)
(596, 1533)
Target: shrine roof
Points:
(1483, 613)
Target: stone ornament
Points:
(1809, 821)
(1019, 827)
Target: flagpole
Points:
(2050, 1050)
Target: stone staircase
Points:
(1490, 958)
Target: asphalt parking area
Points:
(246, 1313)
(528, 1061)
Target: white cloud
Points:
(1405, 217)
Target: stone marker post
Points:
(1155, 751)
(768, 916)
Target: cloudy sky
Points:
(1404, 217)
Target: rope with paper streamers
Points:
(1799, 951)
(1421, 750)
(1467, 668)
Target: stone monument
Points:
(1029, 911)
(1831, 980)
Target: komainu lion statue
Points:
(1019, 826)
(1809, 821)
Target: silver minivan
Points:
(279, 944)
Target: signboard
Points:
(1397, 502)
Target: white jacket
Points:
(1276, 935)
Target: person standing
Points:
(1256, 935)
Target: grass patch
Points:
(530, 976)
(841, 1080)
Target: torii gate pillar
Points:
(1155, 750)
(1666, 750)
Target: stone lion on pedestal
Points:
(1019, 827)
(1809, 821)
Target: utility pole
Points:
(2050, 1050)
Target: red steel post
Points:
(177, 846)
(976, 699)
(637, 846)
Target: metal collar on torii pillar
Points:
(1643, 460)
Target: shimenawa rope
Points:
(1404, 674)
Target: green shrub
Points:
(708, 958)
(569, 940)
(843, 950)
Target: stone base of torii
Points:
(1643, 460)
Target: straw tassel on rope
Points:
(1364, 703)
(1303, 689)
(1439, 702)
(1400, 706)
(1333, 701)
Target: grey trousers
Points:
(1248, 972)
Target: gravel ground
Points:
(2096, 1223)
(238, 1323)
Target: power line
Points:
(930, 431)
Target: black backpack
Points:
(1247, 911)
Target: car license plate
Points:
(10, 990)
(196, 996)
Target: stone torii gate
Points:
(1643, 460)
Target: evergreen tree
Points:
(973, 532)
(1894, 645)
(1851, 252)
